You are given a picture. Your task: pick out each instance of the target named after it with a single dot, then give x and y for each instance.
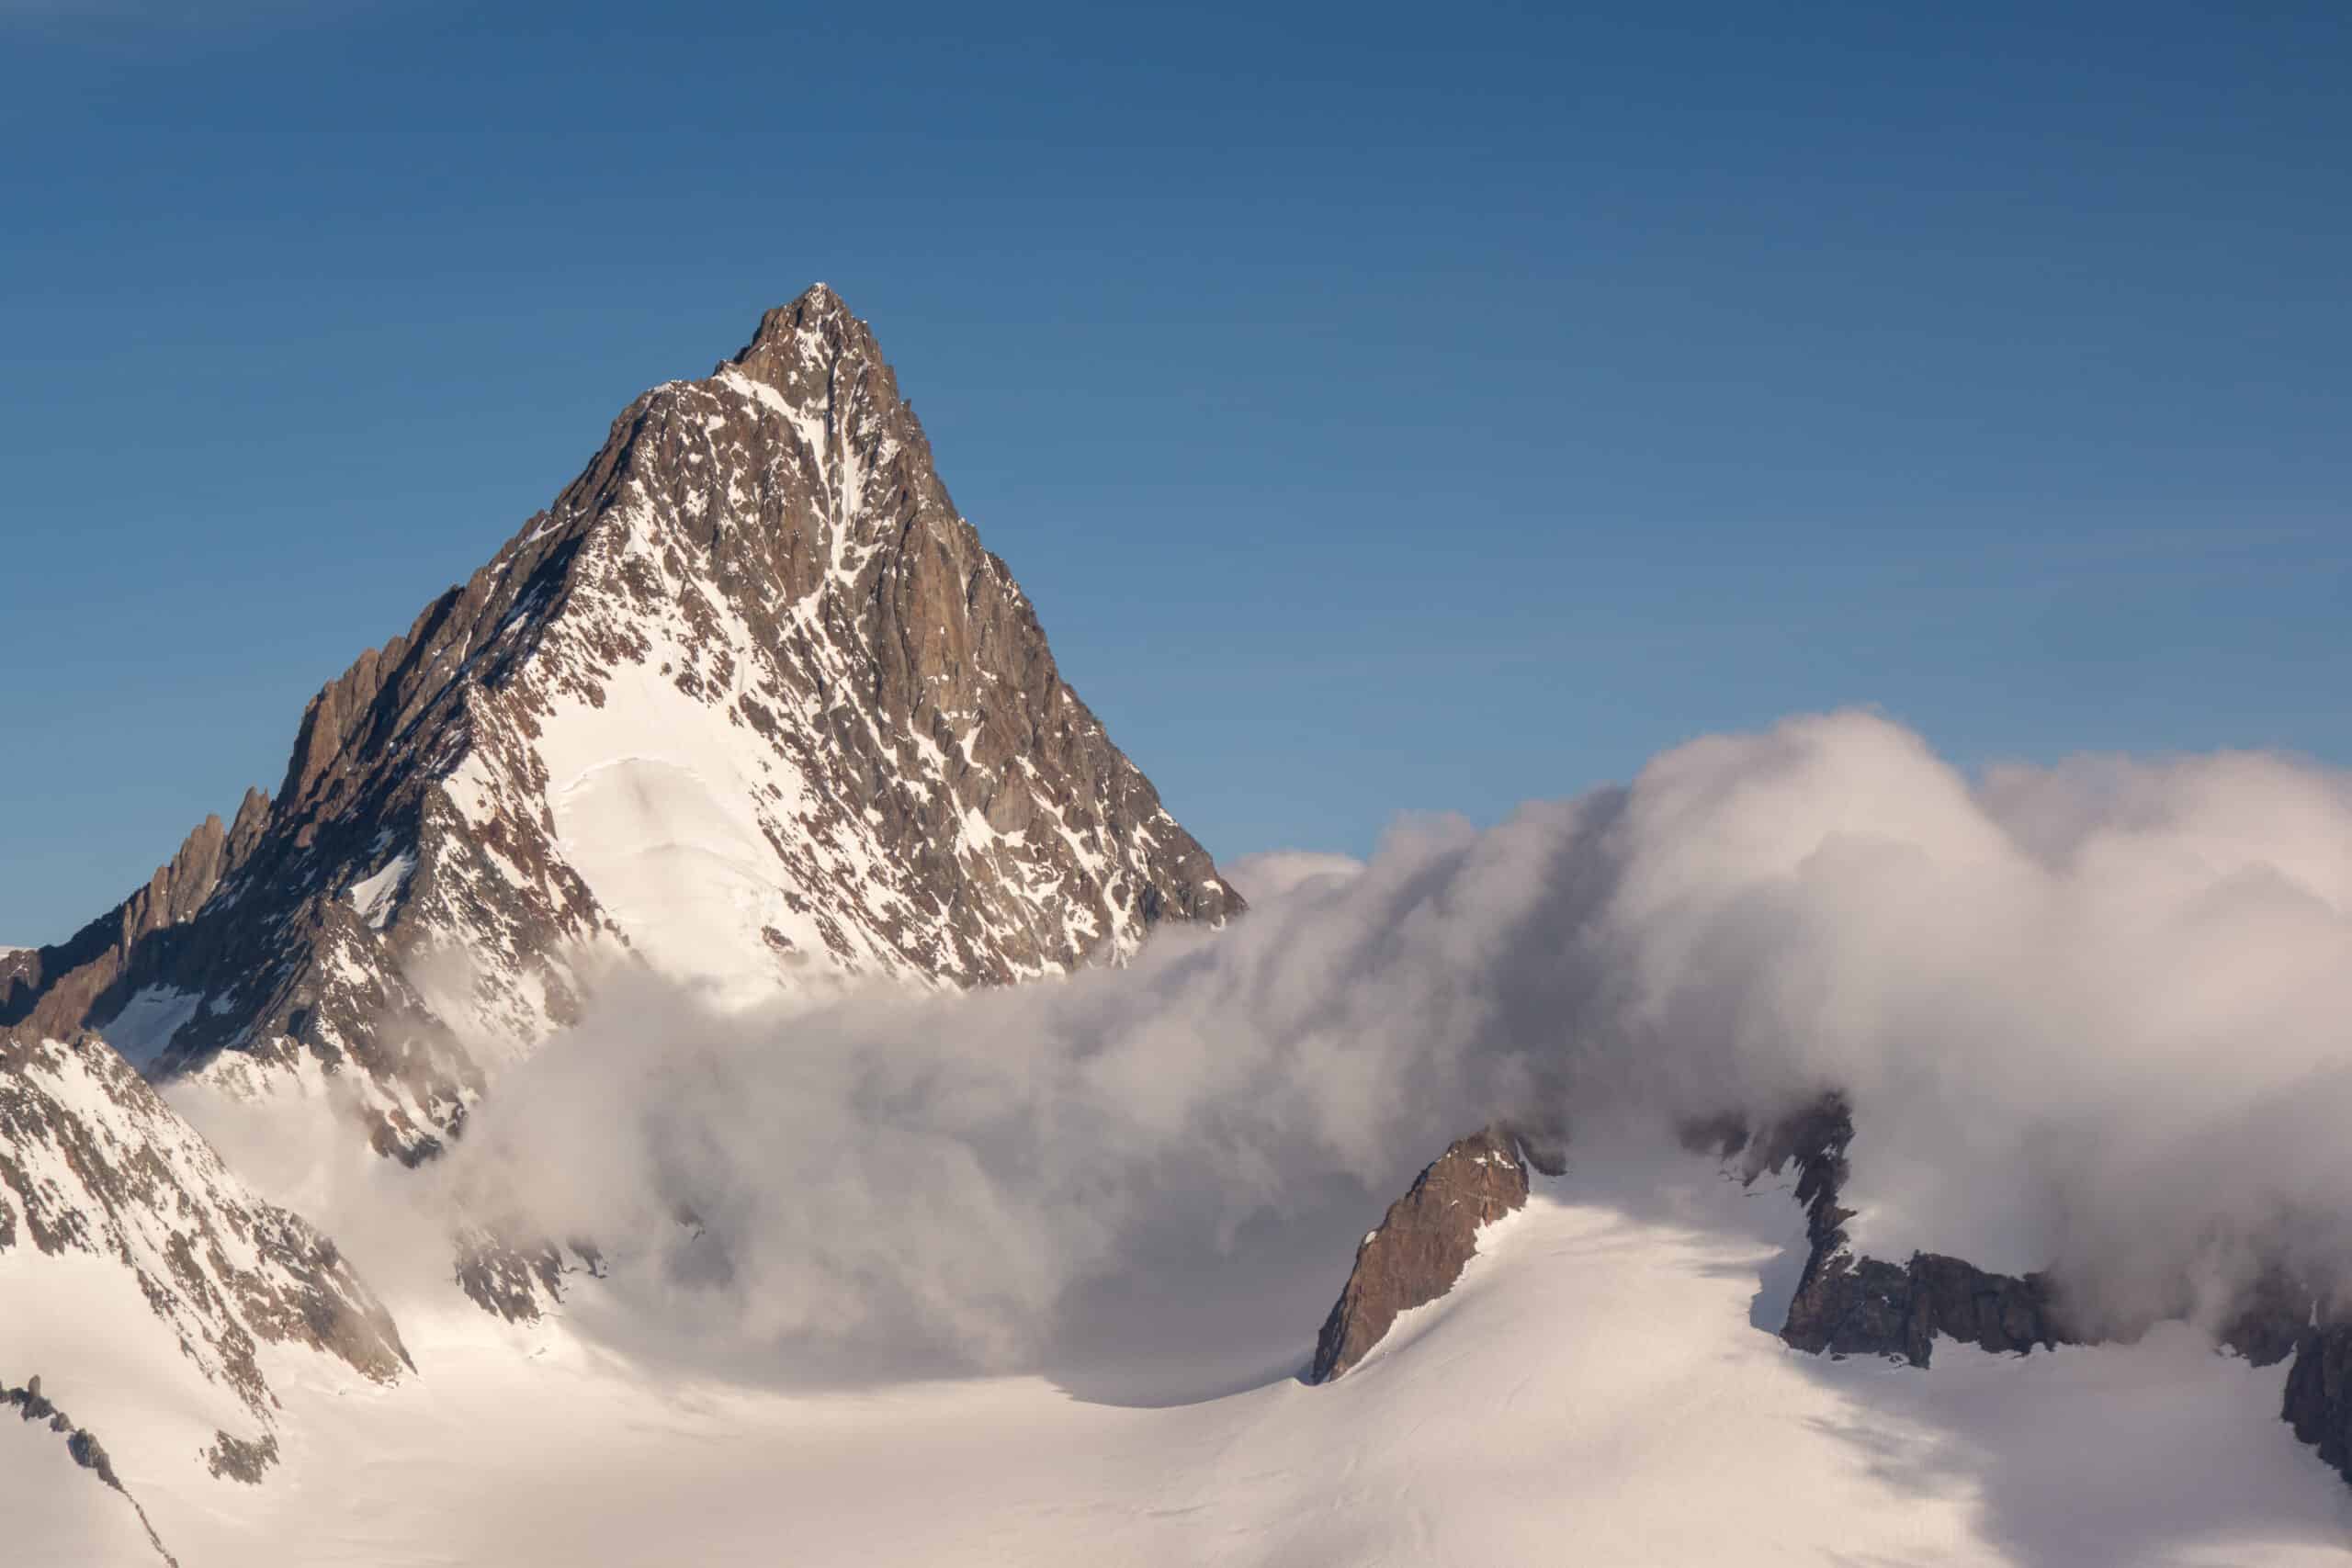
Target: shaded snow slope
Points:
(1595, 1389)
(149, 1021)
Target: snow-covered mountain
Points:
(750, 702)
(750, 707)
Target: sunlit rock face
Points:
(1420, 1247)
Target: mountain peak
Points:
(816, 329)
(748, 703)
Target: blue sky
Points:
(1388, 409)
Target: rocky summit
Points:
(750, 703)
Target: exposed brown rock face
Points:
(766, 558)
(1420, 1247)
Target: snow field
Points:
(1596, 1390)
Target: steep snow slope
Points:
(750, 701)
(154, 1295)
(1596, 1389)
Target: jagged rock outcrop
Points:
(753, 652)
(1847, 1304)
(240, 1459)
(93, 1162)
(1862, 1306)
(66, 980)
(1420, 1247)
(1851, 1305)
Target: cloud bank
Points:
(2094, 1017)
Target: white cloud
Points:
(2093, 1016)
(1273, 873)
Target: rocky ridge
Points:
(1848, 1305)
